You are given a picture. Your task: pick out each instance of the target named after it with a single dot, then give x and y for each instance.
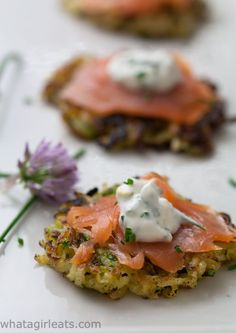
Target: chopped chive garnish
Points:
(86, 237)
(232, 182)
(129, 181)
(129, 235)
(79, 154)
(111, 257)
(232, 267)
(178, 249)
(20, 242)
(65, 243)
(141, 75)
(198, 225)
(145, 214)
(211, 273)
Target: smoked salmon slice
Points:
(84, 253)
(102, 217)
(130, 7)
(102, 220)
(92, 89)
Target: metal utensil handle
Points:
(8, 59)
(10, 68)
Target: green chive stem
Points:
(23, 210)
(4, 175)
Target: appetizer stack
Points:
(137, 98)
(141, 237)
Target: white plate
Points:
(45, 36)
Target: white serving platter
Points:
(45, 37)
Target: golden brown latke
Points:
(118, 132)
(106, 275)
(168, 23)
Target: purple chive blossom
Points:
(49, 173)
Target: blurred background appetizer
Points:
(140, 236)
(148, 18)
(136, 98)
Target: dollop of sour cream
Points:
(139, 69)
(144, 211)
